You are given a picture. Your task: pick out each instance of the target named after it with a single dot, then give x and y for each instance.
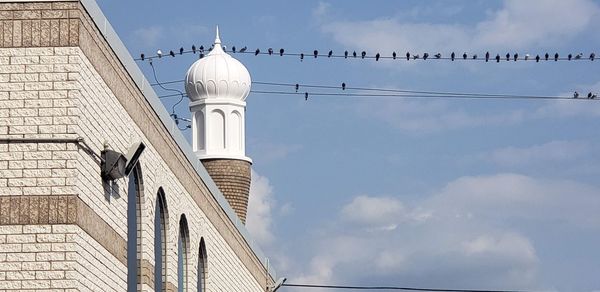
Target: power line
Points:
(392, 288)
(387, 92)
(487, 57)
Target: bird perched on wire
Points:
(579, 56)
(527, 57)
(194, 49)
(377, 57)
(425, 56)
(465, 56)
(329, 54)
(143, 56)
(417, 56)
(475, 57)
(487, 56)
(394, 55)
(575, 94)
(297, 87)
(507, 56)
(256, 52)
(181, 51)
(224, 48)
(589, 95)
(172, 53)
(593, 96)
(354, 54)
(343, 86)
(498, 58)
(345, 54)
(546, 56)
(592, 56)
(233, 49)
(438, 56)
(270, 50)
(159, 53)
(363, 54)
(281, 52)
(315, 53)
(407, 56)
(570, 56)
(537, 58)
(301, 57)
(555, 57)
(306, 96)
(516, 56)
(201, 48)
(242, 50)
(452, 56)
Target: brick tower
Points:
(217, 86)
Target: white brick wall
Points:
(56, 92)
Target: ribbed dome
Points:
(218, 75)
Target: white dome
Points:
(218, 75)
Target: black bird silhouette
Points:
(593, 96)
(452, 56)
(306, 96)
(243, 49)
(354, 54)
(407, 56)
(194, 49)
(576, 94)
(590, 95)
(143, 56)
(201, 48)
(425, 56)
(579, 56)
(329, 54)
(570, 56)
(377, 57)
(343, 86)
(438, 56)
(301, 56)
(546, 56)
(233, 49)
(475, 57)
(416, 56)
(592, 56)
(516, 57)
(507, 57)
(315, 53)
(172, 53)
(345, 54)
(498, 58)
(201, 56)
(537, 58)
(465, 56)
(487, 56)
(297, 86)
(281, 52)
(256, 52)
(363, 54)
(555, 57)
(181, 51)
(394, 55)
(270, 50)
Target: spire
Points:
(217, 39)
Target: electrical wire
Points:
(180, 93)
(400, 56)
(388, 92)
(392, 288)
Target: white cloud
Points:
(468, 239)
(551, 152)
(518, 23)
(260, 210)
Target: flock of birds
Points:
(590, 95)
(409, 56)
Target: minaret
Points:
(217, 86)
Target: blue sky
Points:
(479, 194)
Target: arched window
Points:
(183, 243)
(134, 188)
(160, 241)
(202, 265)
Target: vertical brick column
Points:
(233, 179)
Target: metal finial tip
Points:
(217, 39)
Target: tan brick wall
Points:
(83, 91)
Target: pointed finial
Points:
(217, 39)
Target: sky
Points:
(463, 194)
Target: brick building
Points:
(71, 98)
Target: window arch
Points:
(160, 241)
(183, 243)
(134, 195)
(202, 266)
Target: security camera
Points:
(115, 165)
